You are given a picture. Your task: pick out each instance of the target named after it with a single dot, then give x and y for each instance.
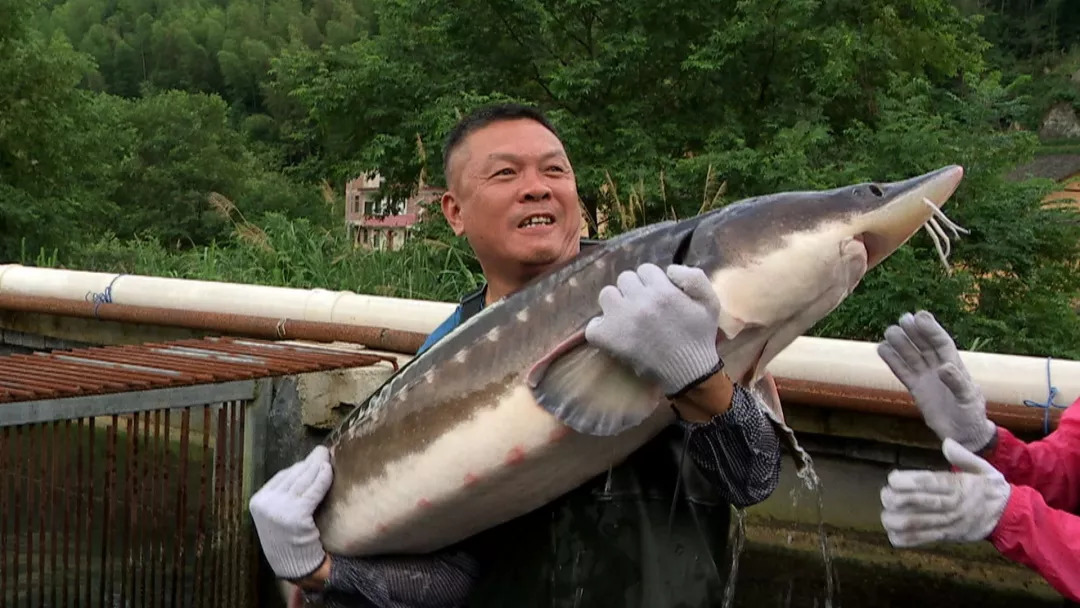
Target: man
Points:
(651, 532)
(1023, 498)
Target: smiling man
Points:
(650, 532)
(523, 163)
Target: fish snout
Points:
(905, 208)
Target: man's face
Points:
(513, 195)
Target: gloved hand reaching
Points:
(926, 506)
(925, 359)
(283, 511)
(663, 325)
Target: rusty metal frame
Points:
(823, 395)
(124, 368)
(255, 436)
(381, 338)
(68, 408)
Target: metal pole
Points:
(379, 338)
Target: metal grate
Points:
(130, 487)
(183, 362)
(126, 511)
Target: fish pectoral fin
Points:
(729, 325)
(766, 389)
(768, 394)
(590, 391)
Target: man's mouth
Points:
(537, 220)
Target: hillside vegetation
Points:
(213, 138)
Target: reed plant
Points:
(432, 264)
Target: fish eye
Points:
(876, 191)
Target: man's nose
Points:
(536, 189)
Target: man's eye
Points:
(506, 171)
(558, 168)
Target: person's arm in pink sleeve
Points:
(1017, 495)
(1044, 539)
(1050, 465)
(973, 502)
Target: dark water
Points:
(807, 565)
(790, 565)
(771, 576)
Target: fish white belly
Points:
(502, 463)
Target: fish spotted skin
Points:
(441, 428)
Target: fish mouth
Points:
(909, 206)
(876, 246)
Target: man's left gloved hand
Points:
(283, 512)
(961, 506)
(663, 325)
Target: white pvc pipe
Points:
(1003, 378)
(214, 296)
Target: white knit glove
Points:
(283, 511)
(663, 325)
(927, 506)
(924, 358)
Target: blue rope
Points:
(1052, 391)
(104, 297)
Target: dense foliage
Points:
(213, 138)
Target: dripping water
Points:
(736, 551)
(813, 483)
(804, 469)
(678, 481)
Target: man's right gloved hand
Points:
(924, 358)
(283, 511)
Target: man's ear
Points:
(451, 209)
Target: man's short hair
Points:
(484, 116)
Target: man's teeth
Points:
(536, 221)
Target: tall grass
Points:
(294, 253)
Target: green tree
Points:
(56, 141)
(659, 101)
(185, 153)
(187, 121)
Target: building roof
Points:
(371, 183)
(1052, 166)
(366, 182)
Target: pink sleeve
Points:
(1050, 465)
(1043, 539)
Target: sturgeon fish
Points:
(513, 408)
